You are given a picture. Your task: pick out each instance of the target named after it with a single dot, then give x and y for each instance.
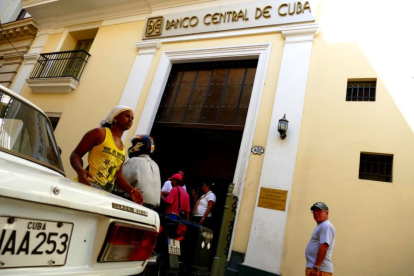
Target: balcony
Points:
(58, 72)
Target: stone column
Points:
(265, 247)
(139, 72)
(138, 75)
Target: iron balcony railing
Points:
(61, 64)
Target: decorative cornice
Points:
(19, 29)
(54, 14)
(251, 50)
(165, 5)
(300, 33)
(147, 47)
(31, 58)
(53, 85)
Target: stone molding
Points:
(17, 30)
(31, 58)
(300, 33)
(53, 85)
(168, 58)
(147, 47)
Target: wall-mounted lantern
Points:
(283, 127)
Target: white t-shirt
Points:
(323, 233)
(203, 205)
(143, 173)
(167, 187)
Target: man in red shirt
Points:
(177, 198)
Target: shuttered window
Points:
(208, 94)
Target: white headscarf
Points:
(109, 118)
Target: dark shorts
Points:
(207, 221)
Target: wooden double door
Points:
(199, 124)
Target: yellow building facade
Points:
(349, 141)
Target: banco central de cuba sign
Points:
(221, 18)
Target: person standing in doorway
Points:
(167, 187)
(204, 205)
(319, 250)
(106, 154)
(177, 200)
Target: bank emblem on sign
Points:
(154, 26)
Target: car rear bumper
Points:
(87, 239)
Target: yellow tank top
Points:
(105, 160)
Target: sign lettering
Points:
(263, 13)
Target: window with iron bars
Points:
(377, 167)
(361, 91)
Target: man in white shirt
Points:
(167, 187)
(141, 171)
(319, 250)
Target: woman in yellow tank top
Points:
(106, 153)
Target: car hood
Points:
(31, 184)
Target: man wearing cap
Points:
(166, 188)
(319, 250)
(177, 200)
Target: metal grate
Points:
(361, 91)
(61, 64)
(376, 167)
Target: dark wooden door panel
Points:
(245, 97)
(181, 100)
(197, 98)
(210, 94)
(167, 100)
(214, 95)
(228, 108)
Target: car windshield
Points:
(27, 132)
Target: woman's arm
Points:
(89, 140)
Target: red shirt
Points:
(172, 200)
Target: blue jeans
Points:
(172, 216)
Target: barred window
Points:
(361, 91)
(376, 167)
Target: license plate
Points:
(174, 247)
(29, 242)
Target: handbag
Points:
(182, 214)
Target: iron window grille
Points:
(361, 91)
(376, 167)
(61, 64)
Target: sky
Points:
(384, 32)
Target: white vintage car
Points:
(50, 225)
